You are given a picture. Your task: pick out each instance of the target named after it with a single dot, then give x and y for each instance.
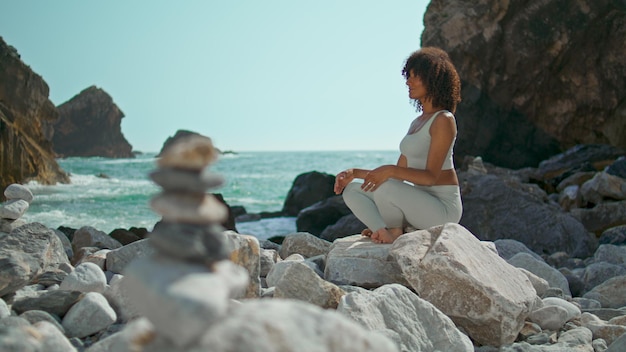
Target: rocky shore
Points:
(537, 264)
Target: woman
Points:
(422, 189)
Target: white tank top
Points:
(415, 146)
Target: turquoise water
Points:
(115, 193)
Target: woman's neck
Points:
(428, 108)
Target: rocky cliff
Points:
(89, 124)
(25, 154)
(538, 76)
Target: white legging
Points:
(398, 204)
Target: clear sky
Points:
(252, 75)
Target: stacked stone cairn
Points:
(188, 276)
(17, 203)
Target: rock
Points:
(4, 309)
(118, 259)
(611, 254)
(507, 248)
(603, 186)
(549, 317)
(356, 260)
(601, 217)
(172, 179)
(541, 269)
(494, 209)
(14, 338)
(119, 301)
(346, 226)
(26, 253)
(611, 293)
(25, 153)
(478, 290)
(540, 285)
(124, 236)
(88, 316)
(618, 168)
(56, 302)
(306, 190)
(315, 218)
(190, 299)
(135, 331)
(614, 235)
(17, 191)
(529, 45)
(192, 208)
(200, 244)
(192, 152)
(277, 325)
(13, 209)
(268, 258)
(52, 338)
(300, 282)
(88, 236)
(573, 311)
(305, 244)
(597, 273)
(416, 324)
(86, 277)
(34, 316)
(7, 225)
(246, 252)
(618, 345)
(607, 332)
(90, 124)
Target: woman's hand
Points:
(342, 179)
(376, 177)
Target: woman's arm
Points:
(442, 132)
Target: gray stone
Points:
(56, 302)
(419, 325)
(86, 277)
(27, 252)
(541, 269)
(356, 260)
(192, 152)
(611, 293)
(200, 244)
(611, 254)
(304, 243)
(300, 282)
(88, 236)
(13, 209)
(601, 217)
(34, 316)
(118, 259)
(17, 191)
(88, 316)
(549, 317)
(189, 297)
(246, 252)
(268, 258)
(476, 288)
(53, 339)
(282, 325)
(602, 186)
(597, 273)
(619, 345)
(186, 180)
(507, 248)
(191, 208)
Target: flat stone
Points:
(17, 191)
(201, 209)
(13, 209)
(186, 180)
(188, 153)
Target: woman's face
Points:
(417, 90)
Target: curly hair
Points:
(434, 67)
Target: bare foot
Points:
(385, 235)
(366, 233)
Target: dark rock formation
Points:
(306, 190)
(90, 125)
(537, 77)
(180, 134)
(25, 154)
(315, 218)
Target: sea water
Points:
(115, 193)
